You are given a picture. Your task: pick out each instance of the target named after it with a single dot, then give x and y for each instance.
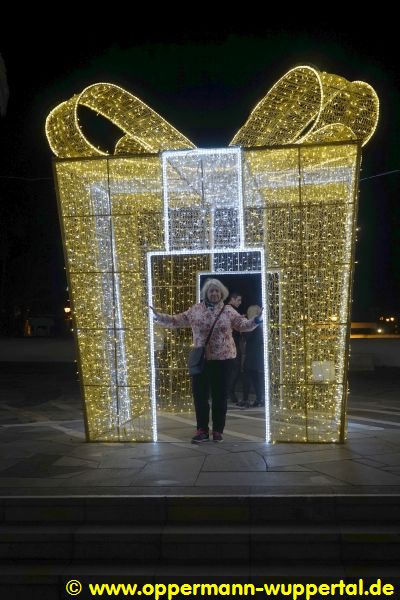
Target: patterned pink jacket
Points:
(200, 318)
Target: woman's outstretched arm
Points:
(240, 323)
(179, 320)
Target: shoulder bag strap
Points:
(213, 325)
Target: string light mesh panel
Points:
(300, 203)
(111, 215)
(174, 290)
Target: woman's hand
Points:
(155, 313)
(258, 318)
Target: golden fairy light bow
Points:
(144, 129)
(305, 105)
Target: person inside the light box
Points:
(235, 300)
(220, 352)
(253, 364)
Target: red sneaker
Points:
(217, 436)
(200, 436)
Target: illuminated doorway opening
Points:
(174, 280)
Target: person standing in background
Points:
(253, 365)
(234, 375)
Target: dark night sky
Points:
(205, 85)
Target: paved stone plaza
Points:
(44, 452)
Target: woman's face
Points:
(214, 294)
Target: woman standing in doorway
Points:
(220, 352)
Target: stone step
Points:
(205, 509)
(320, 543)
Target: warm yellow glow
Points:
(144, 129)
(296, 202)
(300, 204)
(307, 105)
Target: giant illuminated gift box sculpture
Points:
(140, 226)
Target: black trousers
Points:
(214, 379)
(257, 379)
(234, 378)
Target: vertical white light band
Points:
(152, 350)
(164, 159)
(240, 199)
(265, 347)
